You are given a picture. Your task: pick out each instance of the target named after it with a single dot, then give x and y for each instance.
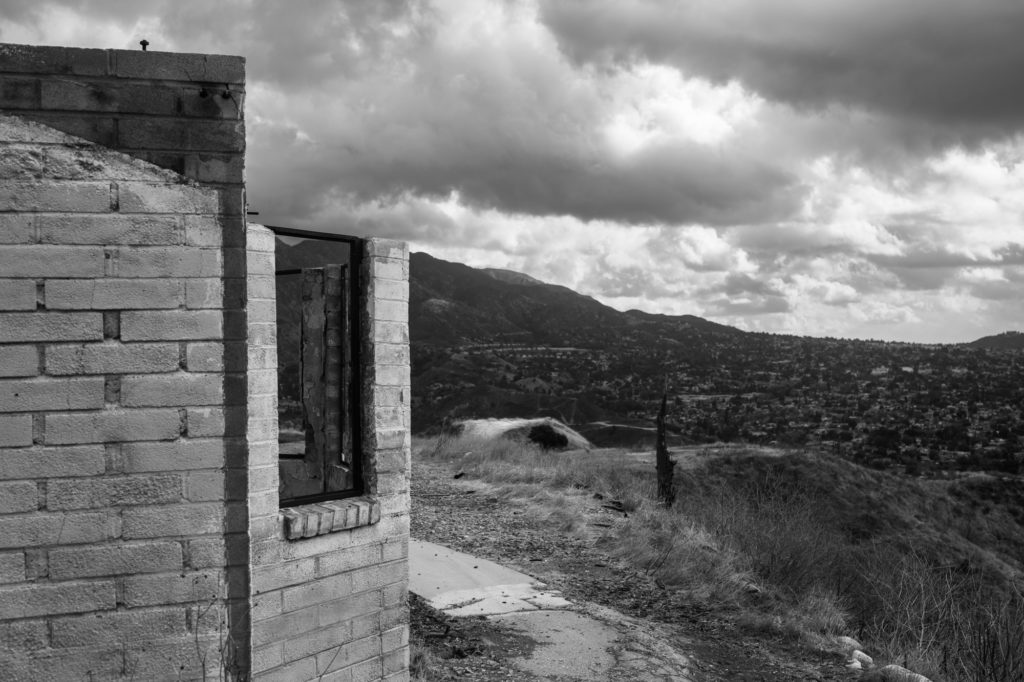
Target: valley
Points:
(503, 346)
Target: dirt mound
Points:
(546, 432)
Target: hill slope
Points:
(495, 343)
(1006, 341)
(451, 303)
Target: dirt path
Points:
(468, 516)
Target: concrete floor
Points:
(574, 641)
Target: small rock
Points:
(895, 673)
(854, 664)
(848, 644)
(862, 658)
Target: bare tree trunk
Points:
(665, 465)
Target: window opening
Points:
(316, 283)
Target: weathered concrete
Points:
(581, 642)
(569, 644)
(463, 585)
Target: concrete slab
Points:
(464, 585)
(576, 642)
(570, 645)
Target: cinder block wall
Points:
(140, 530)
(329, 581)
(123, 531)
(182, 112)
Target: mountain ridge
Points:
(488, 344)
(1004, 340)
(490, 305)
(425, 263)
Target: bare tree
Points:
(665, 464)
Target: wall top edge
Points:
(122, 63)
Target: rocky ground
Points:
(470, 517)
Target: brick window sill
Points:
(333, 516)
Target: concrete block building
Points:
(180, 498)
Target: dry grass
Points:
(681, 554)
(421, 662)
(714, 550)
(787, 552)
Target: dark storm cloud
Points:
(741, 294)
(924, 278)
(942, 258)
(389, 99)
(299, 46)
(737, 284)
(548, 176)
(948, 62)
(929, 269)
(293, 46)
(1000, 290)
(792, 165)
(510, 127)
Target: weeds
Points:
(420, 663)
(775, 554)
(992, 646)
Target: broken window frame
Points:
(351, 407)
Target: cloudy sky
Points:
(821, 167)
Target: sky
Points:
(815, 167)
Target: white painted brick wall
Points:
(15, 431)
(180, 455)
(112, 426)
(47, 326)
(171, 325)
(28, 395)
(182, 389)
(114, 560)
(113, 294)
(19, 361)
(179, 520)
(115, 448)
(19, 496)
(112, 458)
(111, 358)
(17, 294)
(110, 229)
(24, 601)
(311, 594)
(39, 260)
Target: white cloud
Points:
(786, 194)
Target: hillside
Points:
(483, 340)
(455, 305)
(765, 554)
(494, 343)
(1006, 341)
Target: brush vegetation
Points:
(800, 545)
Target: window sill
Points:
(333, 516)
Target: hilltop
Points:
(765, 557)
(1011, 340)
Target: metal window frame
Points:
(355, 411)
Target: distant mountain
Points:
(495, 343)
(1012, 340)
(498, 343)
(454, 304)
(511, 276)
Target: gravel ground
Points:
(469, 516)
